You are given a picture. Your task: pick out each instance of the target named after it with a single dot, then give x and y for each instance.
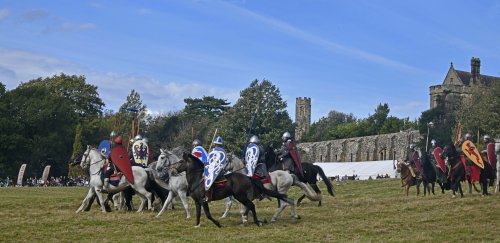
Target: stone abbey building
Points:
(456, 86)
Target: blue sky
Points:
(347, 56)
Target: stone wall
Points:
(378, 147)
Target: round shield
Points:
(105, 148)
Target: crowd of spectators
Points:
(57, 181)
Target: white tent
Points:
(362, 169)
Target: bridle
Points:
(85, 156)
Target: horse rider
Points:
(434, 146)
(260, 168)
(217, 145)
(139, 151)
(288, 163)
(196, 143)
(411, 162)
(468, 162)
(110, 169)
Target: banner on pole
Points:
(45, 174)
(21, 175)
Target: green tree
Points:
(132, 115)
(2, 89)
(482, 111)
(378, 118)
(319, 131)
(271, 120)
(442, 127)
(208, 106)
(40, 126)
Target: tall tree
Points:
(208, 106)
(133, 111)
(41, 121)
(482, 111)
(271, 120)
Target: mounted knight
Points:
(139, 152)
(216, 161)
(289, 155)
(255, 159)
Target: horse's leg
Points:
(206, 209)
(228, 202)
(470, 186)
(243, 212)
(317, 190)
(198, 214)
(433, 185)
(299, 202)
(86, 200)
(98, 192)
(166, 203)
(185, 203)
(143, 202)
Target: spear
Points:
(249, 131)
(215, 133)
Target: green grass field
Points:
(360, 211)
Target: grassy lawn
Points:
(360, 211)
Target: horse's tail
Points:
(327, 181)
(258, 184)
(308, 192)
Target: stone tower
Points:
(302, 116)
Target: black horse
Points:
(241, 187)
(310, 173)
(428, 173)
(457, 171)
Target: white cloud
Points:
(70, 27)
(113, 88)
(4, 13)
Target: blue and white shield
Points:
(200, 153)
(216, 162)
(251, 158)
(105, 148)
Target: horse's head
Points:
(450, 154)
(85, 158)
(166, 159)
(189, 162)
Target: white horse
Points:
(177, 185)
(281, 181)
(93, 160)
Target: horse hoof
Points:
(273, 221)
(296, 217)
(197, 226)
(453, 196)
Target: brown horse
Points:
(407, 179)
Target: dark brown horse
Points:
(241, 187)
(428, 173)
(457, 169)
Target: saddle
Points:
(115, 178)
(264, 180)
